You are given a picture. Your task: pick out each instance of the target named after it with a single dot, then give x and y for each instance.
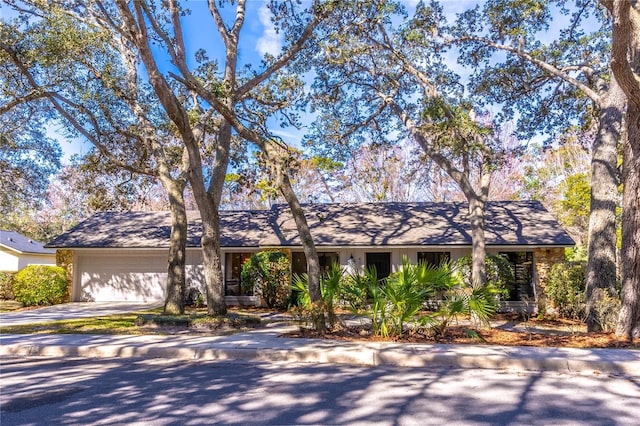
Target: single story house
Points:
(18, 251)
(123, 256)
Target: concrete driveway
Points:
(73, 310)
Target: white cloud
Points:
(270, 42)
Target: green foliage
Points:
(6, 285)
(565, 289)
(406, 292)
(478, 303)
(606, 309)
(498, 269)
(573, 207)
(404, 296)
(330, 288)
(41, 285)
(268, 275)
(355, 289)
(398, 301)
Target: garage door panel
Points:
(131, 278)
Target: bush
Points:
(6, 285)
(268, 274)
(41, 285)
(354, 293)
(330, 289)
(607, 308)
(565, 289)
(498, 269)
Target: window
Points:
(435, 258)
(522, 265)
(233, 271)
(382, 263)
(326, 259)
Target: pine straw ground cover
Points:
(506, 330)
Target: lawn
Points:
(9, 305)
(148, 322)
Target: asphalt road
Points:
(39, 391)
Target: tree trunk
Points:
(601, 260)
(629, 319)
(625, 64)
(212, 264)
(310, 252)
(176, 278)
(478, 253)
(210, 239)
(308, 246)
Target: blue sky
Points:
(257, 39)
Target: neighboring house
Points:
(18, 251)
(123, 256)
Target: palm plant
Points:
(404, 295)
(329, 288)
(477, 302)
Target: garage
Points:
(131, 277)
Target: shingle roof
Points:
(363, 224)
(21, 244)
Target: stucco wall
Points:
(8, 261)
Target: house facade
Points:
(18, 251)
(123, 256)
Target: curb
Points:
(440, 356)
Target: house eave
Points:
(331, 247)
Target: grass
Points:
(111, 324)
(137, 323)
(9, 305)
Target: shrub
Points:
(607, 308)
(41, 285)
(268, 274)
(498, 269)
(6, 285)
(565, 289)
(354, 293)
(330, 289)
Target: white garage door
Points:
(136, 277)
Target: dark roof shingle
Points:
(362, 224)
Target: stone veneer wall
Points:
(64, 259)
(544, 259)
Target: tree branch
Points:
(545, 66)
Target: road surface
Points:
(38, 391)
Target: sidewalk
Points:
(265, 345)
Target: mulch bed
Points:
(494, 336)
